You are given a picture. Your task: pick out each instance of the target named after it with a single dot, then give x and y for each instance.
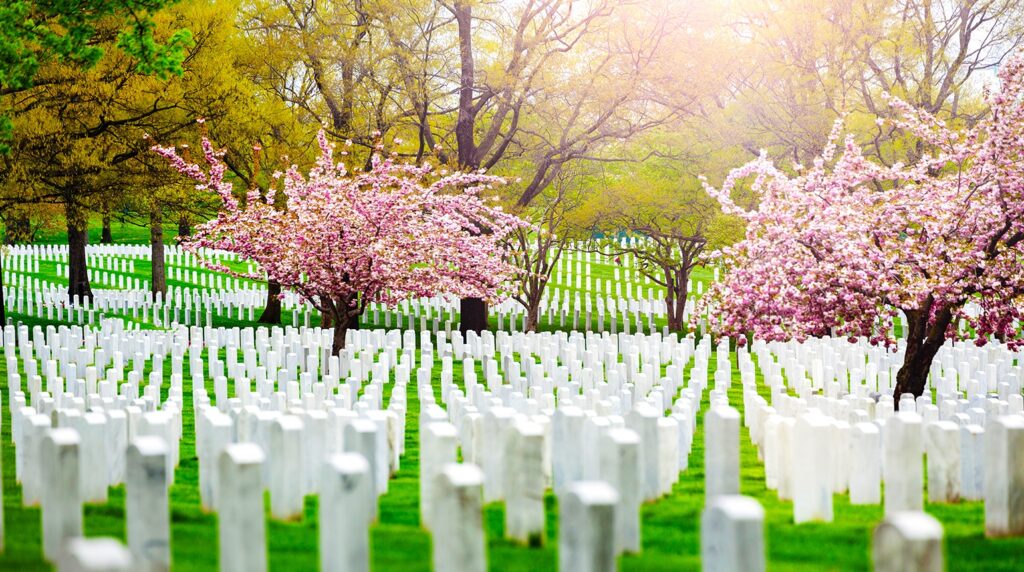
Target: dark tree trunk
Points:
(473, 315)
(106, 236)
(184, 227)
(272, 311)
(465, 122)
(532, 314)
(340, 329)
(78, 272)
(156, 243)
(923, 342)
(675, 298)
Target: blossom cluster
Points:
(845, 245)
(393, 232)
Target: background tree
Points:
(659, 206)
(561, 81)
(34, 33)
(80, 133)
(807, 62)
(535, 250)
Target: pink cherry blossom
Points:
(342, 240)
(844, 246)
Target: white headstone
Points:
(620, 467)
(1004, 476)
(346, 500)
(96, 555)
(908, 542)
(524, 483)
(62, 500)
(586, 528)
(437, 449)
(812, 487)
(942, 446)
(146, 507)
(732, 535)
(458, 535)
(902, 466)
(721, 452)
(286, 482)
(240, 515)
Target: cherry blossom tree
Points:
(344, 239)
(847, 244)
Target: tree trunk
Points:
(184, 227)
(156, 247)
(472, 315)
(532, 313)
(78, 272)
(272, 311)
(466, 120)
(923, 343)
(675, 298)
(106, 236)
(340, 329)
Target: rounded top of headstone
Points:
(63, 436)
(99, 554)
(441, 429)
(594, 492)
(244, 453)
(289, 422)
(463, 474)
(621, 435)
(149, 445)
(912, 525)
(1011, 421)
(737, 507)
(349, 463)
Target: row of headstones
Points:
(815, 448)
(711, 465)
(589, 357)
(345, 510)
(174, 253)
(958, 367)
(732, 527)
